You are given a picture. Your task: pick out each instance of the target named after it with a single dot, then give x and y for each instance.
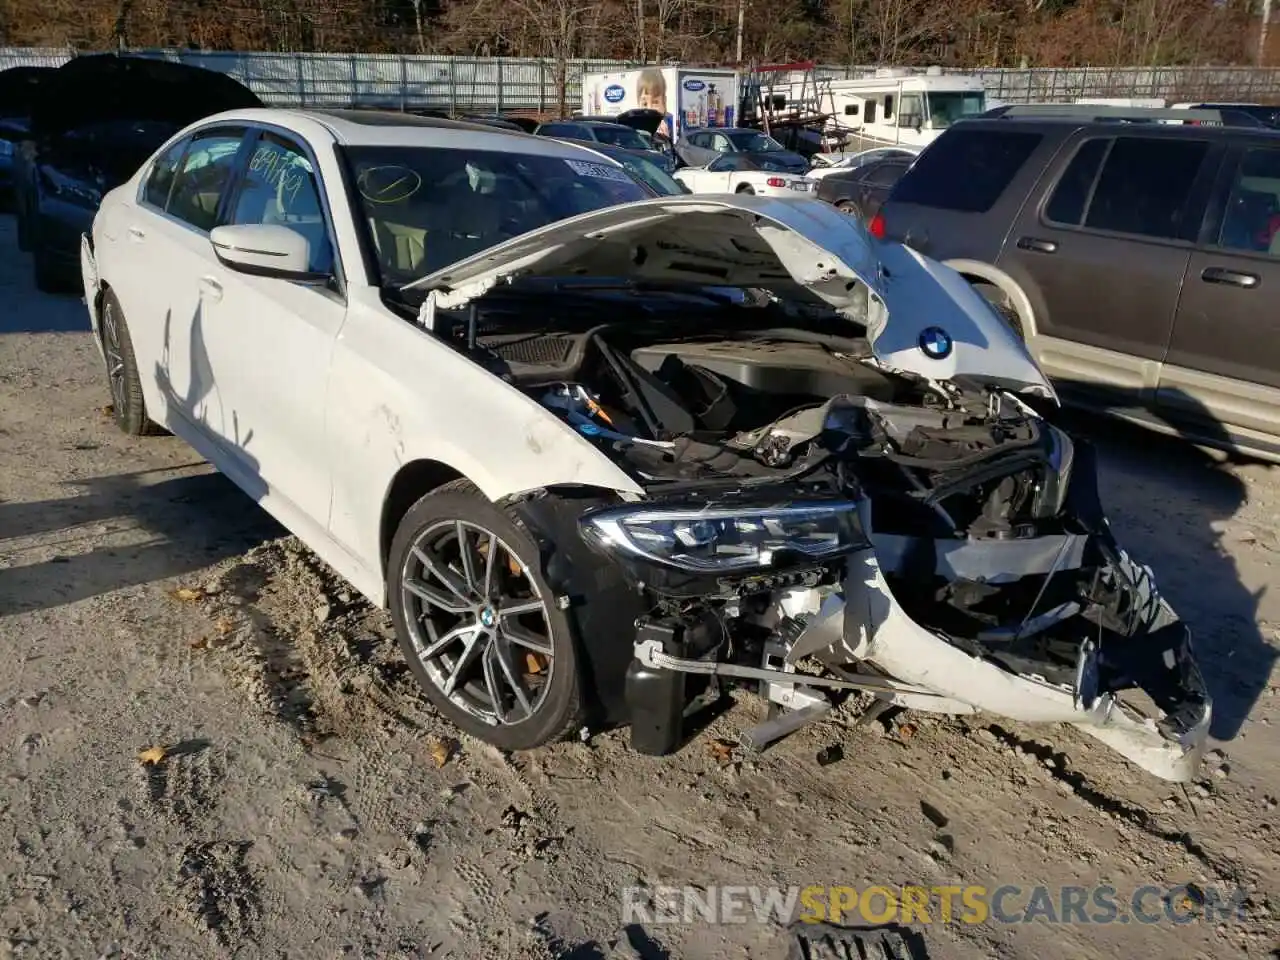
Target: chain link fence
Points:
(528, 85)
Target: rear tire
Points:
(746, 188)
(467, 654)
(128, 408)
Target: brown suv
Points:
(1137, 259)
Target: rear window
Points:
(966, 170)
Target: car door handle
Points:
(1234, 277)
(1036, 245)
(211, 288)
(137, 234)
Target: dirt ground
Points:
(301, 809)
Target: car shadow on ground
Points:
(187, 523)
(1171, 501)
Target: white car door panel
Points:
(269, 341)
(171, 303)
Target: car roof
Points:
(387, 128)
(723, 130)
(1066, 125)
(608, 149)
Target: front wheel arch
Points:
(979, 274)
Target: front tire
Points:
(478, 623)
(128, 408)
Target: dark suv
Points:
(1139, 260)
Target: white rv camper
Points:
(898, 106)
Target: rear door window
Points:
(1145, 186)
(206, 172)
(160, 179)
(966, 170)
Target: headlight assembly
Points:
(730, 539)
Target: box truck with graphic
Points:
(687, 97)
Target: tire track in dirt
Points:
(219, 890)
(184, 786)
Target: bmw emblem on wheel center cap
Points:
(935, 343)
(488, 617)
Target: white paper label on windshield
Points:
(600, 171)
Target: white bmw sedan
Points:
(602, 452)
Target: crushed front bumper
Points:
(870, 626)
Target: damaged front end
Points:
(947, 560)
(843, 493)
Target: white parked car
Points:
(738, 173)
(597, 453)
(825, 164)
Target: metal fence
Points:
(495, 83)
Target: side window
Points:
(1066, 205)
(885, 174)
(850, 109)
(160, 179)
(1251, 221)
(871, 111)
(720, 143)
(206, 172)
(888, 107)
(1144, 186)
(280, 187)
(912, 110)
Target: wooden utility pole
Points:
(1262, 32)
(742, 13)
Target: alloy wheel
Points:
(114, 356)
(478, 622)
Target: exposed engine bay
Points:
(942, 549)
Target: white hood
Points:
(798, 249)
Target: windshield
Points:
(646, 171)
(620, 137)
(946, 107)
(425, 208)
(755, 142)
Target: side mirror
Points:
(265, 250)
